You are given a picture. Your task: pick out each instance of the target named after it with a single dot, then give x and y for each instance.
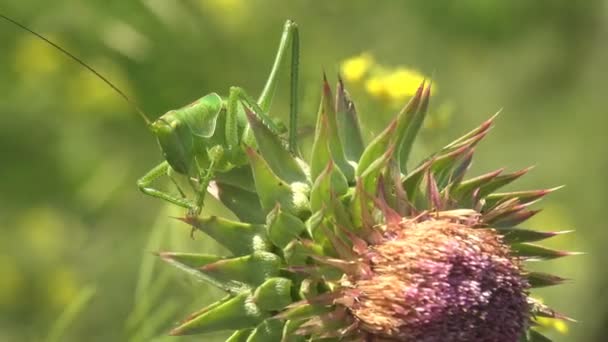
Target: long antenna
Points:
(83, 64)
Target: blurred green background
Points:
(77, 238)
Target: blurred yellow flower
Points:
(33, 58)
(87, 92)
(231, 14)
(353, 69)
(403, 83)
(62, 286)
(43, 230)
(392, 84)
(375, 87)
(12, 280)
(551, 323)
(558, 325)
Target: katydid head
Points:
(175, 141)
(181, 132)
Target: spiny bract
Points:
(353, 246)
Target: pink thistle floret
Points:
(437, 278)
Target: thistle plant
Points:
(351, 244)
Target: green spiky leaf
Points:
(274, 294)
(535, 252)
(240, 336)
(273, 190)
(244, 204)
(283, 227)
(535, 336)
(331, 182)
(540, 279)
(244, 272)
(517, 235)
(328, 110)
(238, 237)
(376, 148)
(269, 330)
(239, 312)
(348, 124)
(413, 127)
(280, 160)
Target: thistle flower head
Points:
(438, 278)
(355, 245)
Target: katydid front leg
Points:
(162, 169)
(145, 182)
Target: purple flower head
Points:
(439, 280)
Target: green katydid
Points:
(206, 136)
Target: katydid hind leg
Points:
(232, 134)
(241, 96)
(291, 37)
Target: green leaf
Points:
(331, 182)
(538, 309)
(481, 130)
(328, 109)
(280, 160)
(515, 235)
(348, 124)
(535, 336)
(463, 192)
(271, 330)
(303, 310)
(191, 262)
(274, 294)
(239, 312)
(240, 336)
(244, 204)
(411, 182)
(283, 227)
(369, 178)
(500, 181)
(233, 275)
(289, 331)
(460, 170)
(340, 212)
(320, 155)
(534, 252)
(444, 164)
(273, 190)
(540, 279)
(244, 272)
(405, 144)
(238, 237)
(513, 218)
(314, 221)
(523, 196)
(295, 253)
(377, 148)
(239, 177)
